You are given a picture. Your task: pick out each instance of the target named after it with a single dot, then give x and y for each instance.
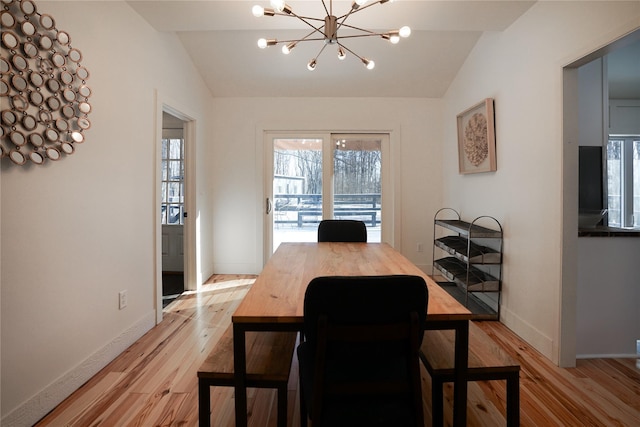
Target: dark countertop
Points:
(602, 231)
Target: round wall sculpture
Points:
(44, 104)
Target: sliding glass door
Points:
(357, 180)
(322, 176)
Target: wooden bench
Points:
(487, 361)
(269, 357)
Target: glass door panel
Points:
(614, 183)
(636, 183)
(357, 180)
(297, 189)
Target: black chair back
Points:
(342, 230)
(359, 363)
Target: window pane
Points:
(175, 214)
(164, 192)
(175, 149)
(175, 170)
(165, 145)
(175, 192)
(164, 170)
(636, 183)
(163, 214)
(614, 182)
(357, 181)
(172, 175)
(297, 189)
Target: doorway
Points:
(577, 324)
(315, 176)
(172, 206)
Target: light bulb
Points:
(361, 2)
(394, 38)
(257, 11)
(311, 65)
(287, 48)
(278, 5)
(405, 31)
(262, 43)
(341, 54)
(368, 63)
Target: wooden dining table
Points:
(275, 302)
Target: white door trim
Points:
(190, 267)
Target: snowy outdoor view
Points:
(298, 186)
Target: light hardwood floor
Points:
(153, 383)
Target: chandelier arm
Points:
(306, 20)
(293, 15)
(361, 8)
(354, 36)
(350, 51)
(330, 10)
(321, 50)
(366, 6)
(299, 40)
(305, 38)
(364, 30)
(342, 19)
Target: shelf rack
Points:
(472, 262)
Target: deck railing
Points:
(300, 209)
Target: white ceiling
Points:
(221, 35)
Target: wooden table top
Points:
(277, 296)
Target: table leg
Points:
(240, 368)
(204, 403)
(460, 382)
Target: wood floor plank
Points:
(127, 411)
(154, 381)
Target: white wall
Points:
(625, 116)
(608, 297)
(415, 126)
(522, 69)
(77, 231)
(591, 104)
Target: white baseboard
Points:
(51, 396)
(608, 356)
(528, 333)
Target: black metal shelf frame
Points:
(471, 265)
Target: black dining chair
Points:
(359, 361)
(342, 230)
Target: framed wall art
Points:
(477, 138)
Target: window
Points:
(320, 175)
(172, 181)
(623, 181)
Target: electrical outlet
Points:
(122, 302)
(419, 247)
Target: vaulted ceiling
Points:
(221, 38)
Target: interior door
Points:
(172, 205)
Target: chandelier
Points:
(327, 29)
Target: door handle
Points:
(268, 206)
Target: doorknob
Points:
(268, 206)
